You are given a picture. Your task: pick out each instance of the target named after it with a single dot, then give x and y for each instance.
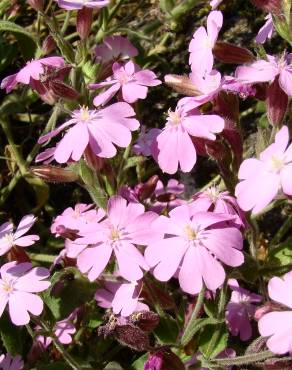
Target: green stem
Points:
(282, 231)
(244, 360)
(221, 312)
(188, 332)
(66, 22)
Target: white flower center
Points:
(276, 164)
(7, 285)
(7, 238)
(213, 193)
(115, 235)
(174, 117)
(190, 233)
(84, 114)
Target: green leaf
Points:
(281, 255)
(207, 346)
(133, 161)
(11, 335)
(16, 29)
(198, 325)
(113, 366)
(139, 363)
(283, 28)
(167, 330)
(69, 290)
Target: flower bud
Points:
(163, 359)
(84, 22)
(18, 254)
(62, 90)
(270, 6)
(145, 320)
(49, 45)
(181, 84)
(229, 53)
(277, 102)
(146, 190)
(37, 5)
(54, 174)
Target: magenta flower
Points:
(132, 81)
(174, 144)
(219, 202)
(123, 298)
(114, 48)
(8, 238)
(18, 284)
(99, 129)
(266, 31)
(126, 226)
(201, 46)
(193, 246)
(240, 310)
(7, 362)
(79, 4)
(31, 73)
(263, 178)
(278, 325)
(145, 142)
(268, 70)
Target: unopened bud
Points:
(229, 53)
(182, 84)
(37, 5)
(54, 174)
(146, 190)
(62, 90)
(94, 162)
(49, 45)
(163, 359)
(84, 22)
(270, 6)
(17, 254)
(145, 320)
(277, 102)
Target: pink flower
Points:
(240, 310)
(263, 178)
(7, 362)
(122, 298)
(132, 81)
(278, 325)
(8, 238)
(17, 285)
(114, 48)
(75, 219)
(31, 73)
(47, 156)
(166, 196)
(99, 129)
(266, 32)
(192, 247)
(63, 330)
(201, 46)
(174, 144)
(79, 4)
(126, 225)
(213, 200)
(268, 70)
(145, 142)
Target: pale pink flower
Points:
(263, 178)
(132, 81)
(31, 72)
(79, 4)
(213, 200)
(47, 156)
(201, 46)
(18, 284)
(7, 362)
(126, 226)
(8, 238)
(268, 70)
(174, 144)
(63, 330)
(266, 31)
(76, 218)
(240, 310)
(277, 325)
(193, 247)
(123, 298)
(145, 142)
(100, 129)
(114, 48)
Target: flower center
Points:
(276, 164)
(115, 235)
(123, 77)
(7, 285)
(84, 114)
(7, 238)
(190, 233)
(212, 193)
(174, 117)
